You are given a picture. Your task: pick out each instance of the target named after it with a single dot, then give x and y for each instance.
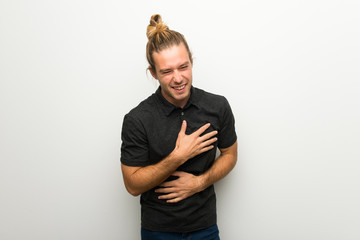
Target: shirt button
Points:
(182, 113)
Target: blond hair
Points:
(160, 37)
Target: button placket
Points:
(182, 115)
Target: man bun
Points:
(160, 37)
(156, 27)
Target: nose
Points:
(177, 77)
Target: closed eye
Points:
(183, 67)
(166, 71)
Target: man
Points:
(169, 145)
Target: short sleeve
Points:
(134, 148)
(227, 135)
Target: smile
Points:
(180, 87)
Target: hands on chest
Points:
(189, 146)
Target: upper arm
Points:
(227, 134)
(134, 147)
(230, 152)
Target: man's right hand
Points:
(188, 146)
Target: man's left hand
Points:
(183, 187)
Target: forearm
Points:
(188, 184)
(221, 167)
(141, 179)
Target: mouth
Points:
(179, 88)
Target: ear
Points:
(152, 71)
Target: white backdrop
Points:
(71, 69)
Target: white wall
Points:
(70, 70)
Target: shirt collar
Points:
(168, 108)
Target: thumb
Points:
(183, 128)
(181, 133)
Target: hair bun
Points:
(156, 26)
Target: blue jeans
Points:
(211, 233)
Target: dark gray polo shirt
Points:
(149, 134)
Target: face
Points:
(174, 73)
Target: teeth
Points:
(179, 88)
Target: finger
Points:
(168, 196)
(202, 129)
(208, 135)
(175, 200)
(165, 190)
(208, 142)
(178, 174)
(205, 149)
(167, 184)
